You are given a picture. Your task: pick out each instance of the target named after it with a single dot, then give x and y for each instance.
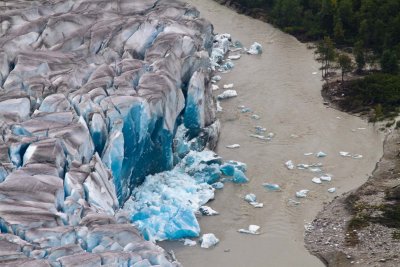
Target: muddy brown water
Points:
(280, 87)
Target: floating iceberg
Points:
(209, 240)
(214, 87)
(316, 180)
(239, 177)
(227, 94)
(228, 86)
(250, 197)
(233, 146)
(320, 154)
(289, 164)
(207, 211)
(272, 187)
(253, 230)
(332, 190)
(234, 57)
(302, 193)
(189, 242)
(255, 49)
(326, 178)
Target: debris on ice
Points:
(228, 86)
(208, 211)
(209, 240)
(260, 129)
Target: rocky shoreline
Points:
(361, 227)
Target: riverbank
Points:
(283, 87)
(361, 227)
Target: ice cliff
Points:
(94, 97)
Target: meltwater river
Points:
(280, 87)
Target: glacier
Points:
(101, 104)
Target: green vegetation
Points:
(366, 24)
(345, 64)
(378, 91)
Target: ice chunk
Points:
(219, 108)
(227, 94)
(357, 156)
(257, 204)
(253, 230)
(218, 185)
(238, 165)
(293, 202)
(302, 166)
(189, 242)
(344, 154)
(255, 117)
(245, 110)
(233, 146)
(332, 190)
(228, 169)
(315, 169)
(164, 206)
(239, 177)
(228, 86)
(214, 87)
(250, 197)
(272, 187)
(289, 164)
(227, 66)
(207, 211)
(320, 154)
(261, 137)
(255, 49)
(326, 178)
(302, 193)
(308, 154)
(234, 57)
(216, 78)
(260, 129)
(209, 240)
(316, 180)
